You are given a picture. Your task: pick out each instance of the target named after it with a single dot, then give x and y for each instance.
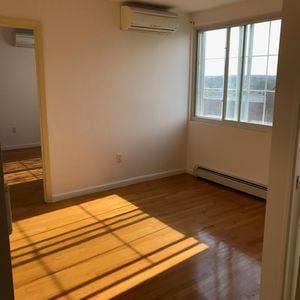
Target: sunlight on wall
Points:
(102, 247)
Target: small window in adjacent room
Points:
(236, 73)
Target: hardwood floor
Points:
(22, 166)
(23, 172)
(22, 154)
(173, 238)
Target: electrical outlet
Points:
(14, 129)
(119, 158)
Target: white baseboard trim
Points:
(115, 184)
(189, 171)
(20, 146)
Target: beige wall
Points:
(108, 91)
(244, 9)
(236, 151)
(18, 95)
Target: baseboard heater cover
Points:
(231, 181)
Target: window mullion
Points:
(201, 66)
(266, 82)
(242, 72)
(249, 69)
(226, 71)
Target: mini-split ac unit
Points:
(24, 38)
(144, 19)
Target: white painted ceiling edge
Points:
(187, 6)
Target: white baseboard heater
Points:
(231, 181)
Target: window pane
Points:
(272, 72)
(253, 106)
(260, 38)
(212, 100)
(260, 71)
(275, 37)
(215, 43)
(212, 108)
(257, 73)
(213, 94)
(231, 107)
(236, 37)
(234, 72)
(214, 73)
(270, 96)
(210, 73)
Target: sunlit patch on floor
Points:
(100, 248)
(23, 171)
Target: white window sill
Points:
(240, 125)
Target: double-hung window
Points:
(236, 73)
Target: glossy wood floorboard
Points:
(173, 238)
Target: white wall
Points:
(244, 153)
(241, 152)
(108, 91)
(18, 95)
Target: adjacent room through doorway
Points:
(20, 117)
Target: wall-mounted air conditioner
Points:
(144, 19)
(24, 38)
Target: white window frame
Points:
(222, 121)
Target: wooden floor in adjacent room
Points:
(172, 238)
(23, 173)
(22, 166)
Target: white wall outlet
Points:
(119, 158)
(14, 129)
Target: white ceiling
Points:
(187, 5)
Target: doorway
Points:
(20, 117)
(24, 133)
(39, 151)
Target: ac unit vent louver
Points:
(144, 19)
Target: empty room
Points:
(149, 149)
